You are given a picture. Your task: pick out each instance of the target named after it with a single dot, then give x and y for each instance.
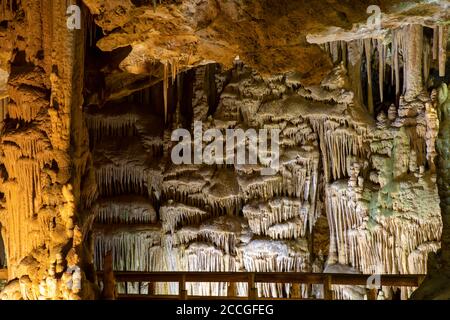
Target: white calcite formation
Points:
(363, 157)
(374, 180)
(436, 284)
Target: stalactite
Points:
(177, 214)
(344, 53)
(3, 107)
(275, 256)
(264, 187)
(381, 243)
(354, 52)
(202, 257)
(25, 153)
(89, 25)
(426, 61)
(442, 48)
(335, 48)
(223, 239)
(262, 216)
(396, 62)
(381, 65)
(435, 42)
(165, 88)
(114, 179)
(201, 225)
(290, 229)
(125, 210)
(368, 53)
(104, 125)
(413, 41)
(132, 251)
(3, 110)
(184, 235)
(337, 143)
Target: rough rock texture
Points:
(436, 286)
(269, 36)
(85, 167)
(374, 181)
(41, 164)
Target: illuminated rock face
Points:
(374, 182)
(41, 167)
(362, 145)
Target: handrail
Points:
(3, 274)
(252, 278)
(401, 280)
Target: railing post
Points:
(182, 287)
(252, 291)
(420, 279)
(372, 294)
(231, 290)
(296, 291)
(151, 289)
(109, 281)
(327, 293)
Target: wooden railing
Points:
(252, 278)
(3, 274)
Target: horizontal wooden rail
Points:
(395, 280)
(3, 274)
(252, 278)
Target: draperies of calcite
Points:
(367, 177)
(374, 181)
(41, 164)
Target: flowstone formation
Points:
(87, 168)
(41, 165)
(373, 181)
(436, 286)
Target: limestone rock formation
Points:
(356, 116)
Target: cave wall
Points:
(372, 180)
(42, 154)
(85, 146)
